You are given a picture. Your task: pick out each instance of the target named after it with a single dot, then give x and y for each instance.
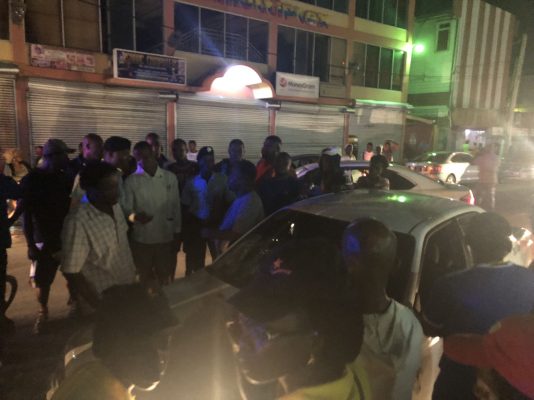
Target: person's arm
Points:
(129, 206)
(12, 191)
(176, 207)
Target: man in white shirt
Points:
(245, 212)
(192, 154)
(152, 202)
(368, 153)
(393, 337)
(95, 253)
(205, 198)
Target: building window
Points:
(204, 31)
(376, 67)
(63, 23)
(389, 12)
(308, 53)
(335, 5)
(4, 19)
(442, 42)
(133, 25)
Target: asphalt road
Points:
(30, 360)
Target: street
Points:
(30, 359)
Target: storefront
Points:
(8, 116)
(308, 129)
(213, 121)
(69, 110)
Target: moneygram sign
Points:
(292, 85)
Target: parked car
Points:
(304, 159)
(444, 165)
(430, 243)
(400, 178)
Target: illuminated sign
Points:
(148, 67)
(50, 57)
(280, 9)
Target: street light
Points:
(418, 48)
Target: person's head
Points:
(387, 146)
(192, 146)
(488, 237)
(92, 146)
(117, 152)
(132, 333)
(145, 157)
(297, 311)
(236, 150)
(38, 151)
(377, 165)
(271, 147)
(330, 160)
(55, 154)
(349, 149)
(243, 177)
(100, 181)
(206, 160)
(504, 356)
(152, 139)
(179, 150)
(378, 150)
(282, 164)
(369, 251)
(369, 146)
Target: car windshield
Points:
(241, 262)
(438, 158)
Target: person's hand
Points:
(143, 218)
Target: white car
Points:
(430, 244)
(447, 166)
(400, 178)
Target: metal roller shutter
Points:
(8, 116)
(69, 111)
(376, 126)
(215, 123)
(308, 129)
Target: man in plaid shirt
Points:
(96, 254)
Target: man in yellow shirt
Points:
(132, 329)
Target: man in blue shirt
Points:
(473, 300)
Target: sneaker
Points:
(41, 324)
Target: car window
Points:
(444, 252)
(438, 158)
(241, 262)
(397, 182)
(462, 158)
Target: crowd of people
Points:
(114, 219)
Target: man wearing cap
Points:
(393, 336)
(130, 341)
(117, 153)
(473, 300)
(152, 202)
(205, 198)
(506, 353)
(46, 198)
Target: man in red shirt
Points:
(265, 167)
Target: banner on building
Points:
(292, 85)
(50, 57)
(148, 67)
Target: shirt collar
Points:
(141, 171)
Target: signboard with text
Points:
(292, 85)
(51, 57)
(136, 65)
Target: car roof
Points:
(400, 210)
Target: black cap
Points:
(205, 151)
(117, 143)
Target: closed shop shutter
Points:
(69, 111)
(8, 117)
(215, 123)
(376, 126)
(308, 129)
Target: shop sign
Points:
(292, 85)
(148, 67)
(280, 9)
(50, 57)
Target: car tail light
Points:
(469, 198)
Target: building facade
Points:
(462, 73)
(323, 72)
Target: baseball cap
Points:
(53, 146)
(289, 278)
(508, 349)
(205, 151)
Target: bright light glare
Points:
(223, 85)
(434, 341)
(241, 75)
(264, 92)
(419, 48)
